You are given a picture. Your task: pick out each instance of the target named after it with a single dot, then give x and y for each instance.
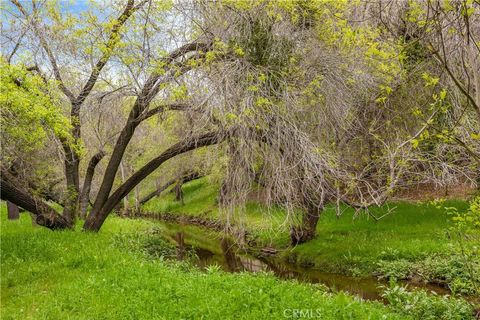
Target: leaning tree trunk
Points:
(44, 215)
(307, 230)
(136, 116)
(87, 183)
(115, 160)
(96, 218)
(12, 211)
(156, 192)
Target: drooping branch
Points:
(152, 85)
(457, 82)
(95, 221)
(44, 214)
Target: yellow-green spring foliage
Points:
(28, 112)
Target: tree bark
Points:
(72, 165)
(125, 199)
(137, 115)
(44, 214)
(184, 179)
(307, 230)
(87, 183)
(12, 211)
(117, 155)
(157, 192)
(95, 220)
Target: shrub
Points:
(449, 268)
(394, 269)
(148, 243)
(453, 270)
(421, 305)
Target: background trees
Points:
(316, 101)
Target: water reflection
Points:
(180, 238)
(231, 259)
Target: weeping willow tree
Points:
(318, 107)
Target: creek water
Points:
(212, 249)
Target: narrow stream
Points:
(213, 250)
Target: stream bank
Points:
(204, 237)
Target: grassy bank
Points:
(413, 242)
(75, 275)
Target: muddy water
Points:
(211, 249)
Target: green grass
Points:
(414, 233)
(78, 275)
(412, 229)
(199, 199)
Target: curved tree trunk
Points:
(87, 183)
(96, 219)
(135, 117)
(43, 213)
(157, 192)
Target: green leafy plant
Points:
(30, 110)
(420, 304)
(395, 269)
(466, 230)
(447, 268)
